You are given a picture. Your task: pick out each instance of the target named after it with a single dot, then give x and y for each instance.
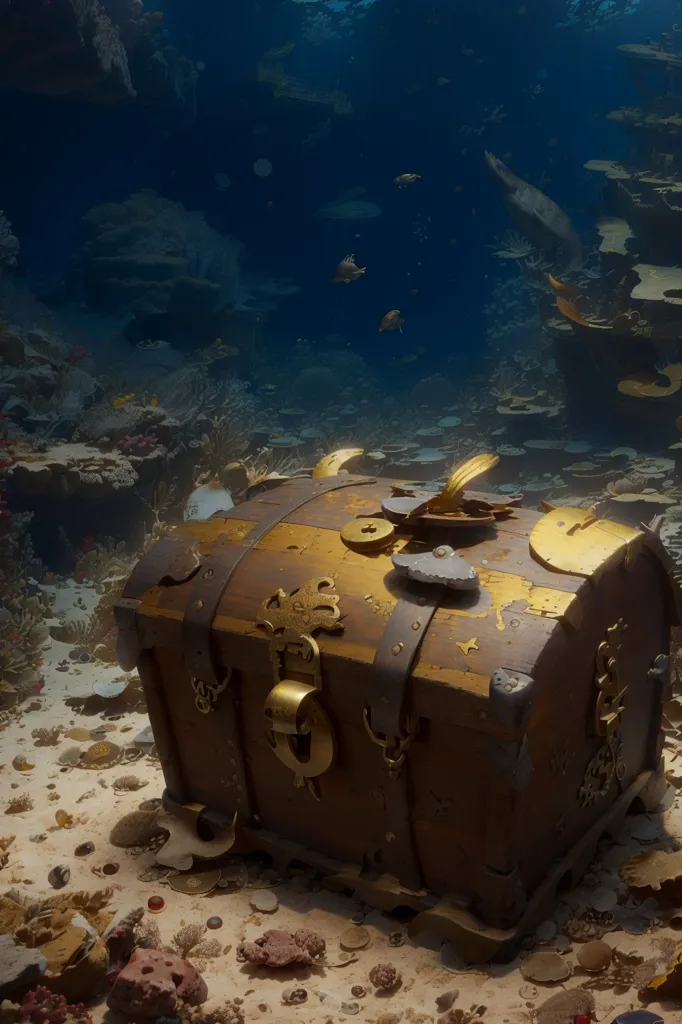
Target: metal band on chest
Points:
(392, 729)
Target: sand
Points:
(90, 797)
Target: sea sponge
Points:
(385, 977)
(280, 949)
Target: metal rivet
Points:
(207, 575)
(198, 605)
(397, 648)
(416, 624)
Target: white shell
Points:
(207, 499)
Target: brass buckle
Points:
(394, 748)
(206, 694)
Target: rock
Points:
(153, 984)
(445, 1000)
(265, 901)
(19, 966)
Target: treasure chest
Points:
(437, 701)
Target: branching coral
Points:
(512, 246)
(229, 433)
(105, 561)
(23, 607)
(41, 1006)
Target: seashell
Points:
(102, 754)
(196, 883)
(595, 956)
(264, 901)
(545, 968)
(653, 872)
(20, 764)
(354, 938)
(64, 819)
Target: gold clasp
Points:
(394, 748)
(299, 730)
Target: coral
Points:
(68, 47)
(107, 423)
(512, 246)
(155, 984)
(19, 804)
(41, 1006)
(229, 433)
(9, 244)
(148, 934)
(23, 607)
(213, 1012)
(120, 939)
(138, 444)
(97, 635)
(135, 829)
(279, 949)
(66, 468)
(106, 560)
(189, 936)
(384, 977)
(150, 255)
(564, 1007)
(129, 783)
(47, 736)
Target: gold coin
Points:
(368, 534)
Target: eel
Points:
(536, 214)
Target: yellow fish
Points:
(154, 401)
(122, 399)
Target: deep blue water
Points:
(557, 85)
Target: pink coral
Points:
(41, 1006)
(279, 949)
(138, 444)
(156, 984)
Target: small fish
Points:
(406, 179)
(347, 271)
(406, 360)
(459, 188)
(154, 401)
(392, 322)
(122, 400)
(443, 81)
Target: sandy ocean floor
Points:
(91, 798)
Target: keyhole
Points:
(369, 529)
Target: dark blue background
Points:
(58, 158)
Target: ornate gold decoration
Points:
(300, 731)
(332, 463)
(450, 498)
(611, 698)
(368, 535)
(607, 764)
(206, 694)
(573, 540)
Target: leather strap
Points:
(395, 655)
(392, 667)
